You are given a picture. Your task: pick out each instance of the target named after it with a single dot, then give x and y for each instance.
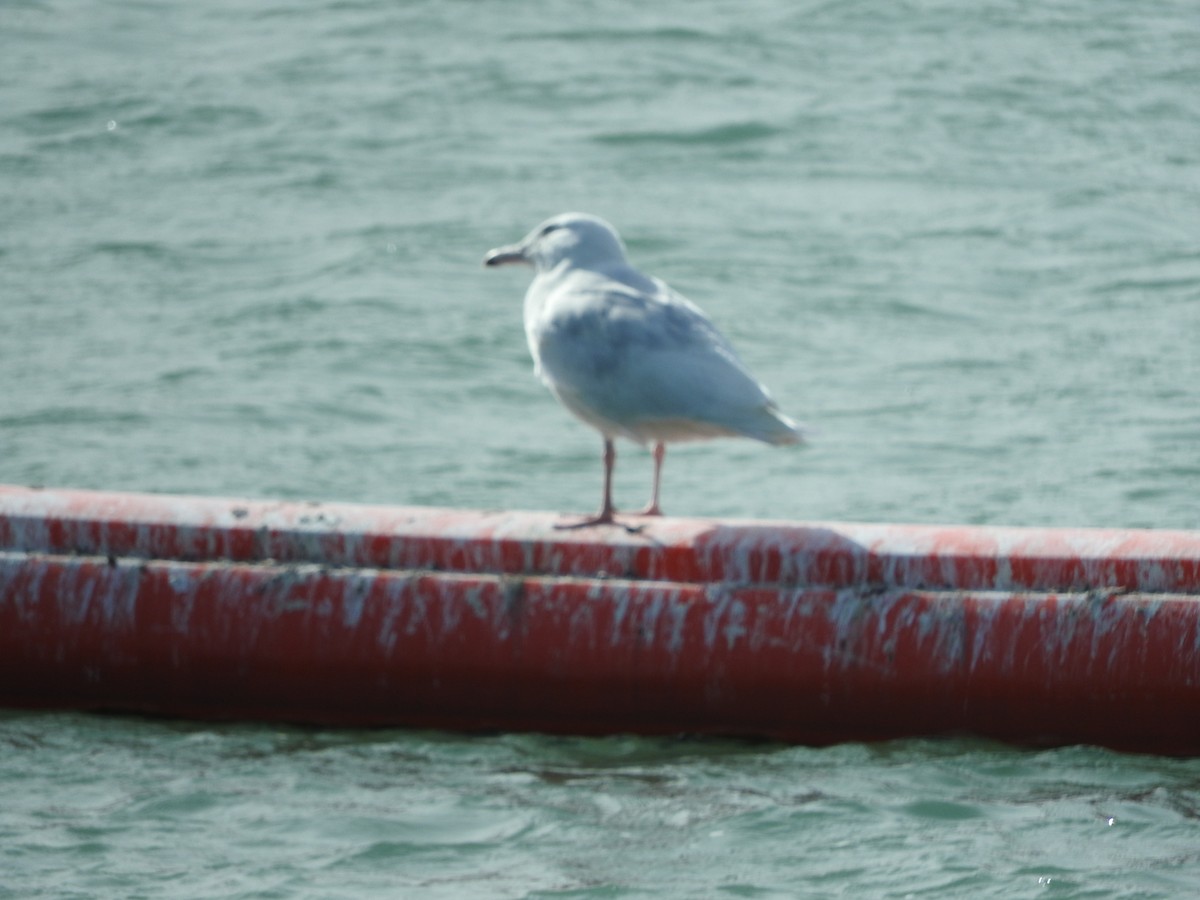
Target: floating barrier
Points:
(340, 614)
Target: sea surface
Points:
(240, 255)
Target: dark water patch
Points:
(898, 309)
(320, 179)
(199, 119)
(125, 249)
(942, 811)
(1189, 284)
(244, 414)
(717, 135)
(962, 364)
(321, 346)
(570, 776)
(54, 120)
(185, 374)
(331, 412)
(668, 35)
(72, 416)
(965, 232)
(868, 413)
(21, 165)
(292, 309)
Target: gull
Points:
(628, 355)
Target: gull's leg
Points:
(605, 516)
(652, 508)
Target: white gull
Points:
(628, 355)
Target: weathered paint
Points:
(343, 614)
(525, 543)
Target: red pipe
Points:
(358, 615)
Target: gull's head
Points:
(577, 239)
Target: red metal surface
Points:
(344, 614)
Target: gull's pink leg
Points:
(652, 508)
(605, 516)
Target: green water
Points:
(240, 252)
(112, 808)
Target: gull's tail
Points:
(773, 427)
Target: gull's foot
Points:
(605, 517)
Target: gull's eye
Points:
(549, 228)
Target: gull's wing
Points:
(641, 360)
